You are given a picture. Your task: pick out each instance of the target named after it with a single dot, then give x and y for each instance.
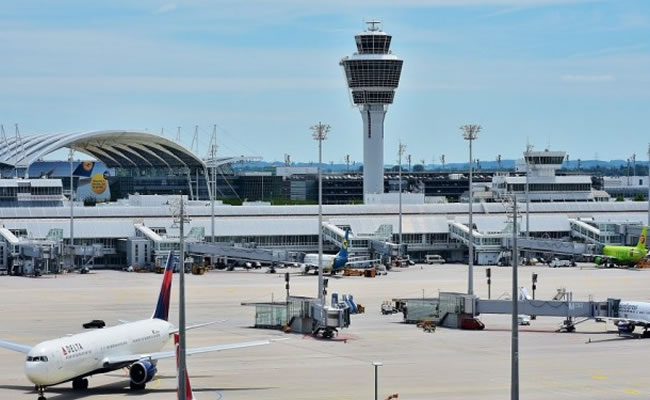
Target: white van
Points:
(434, 259)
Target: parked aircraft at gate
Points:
(333, 263)
(133, 345)
(624, 255)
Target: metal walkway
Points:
(482, 241)
(237, 252)
(553, 246)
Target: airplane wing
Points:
(21, 348)
(124, 359)
(364, 261)
(173, 331)
(629, 321)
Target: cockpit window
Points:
(37, 359)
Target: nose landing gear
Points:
(41, 392)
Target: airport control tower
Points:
(373, 75)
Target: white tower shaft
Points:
(373, 148)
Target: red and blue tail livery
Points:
(162, 308)
(188, 388)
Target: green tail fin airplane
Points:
(624, 255)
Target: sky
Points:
(570, 74)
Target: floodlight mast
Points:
(470, 133)
(319, 133)
(648, 184)
(529, 148)
(213, 168)
(72, 255)
(400, 151)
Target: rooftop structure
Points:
(373, 74)
(543, 183)
(115, 148)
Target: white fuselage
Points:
(60, 360)
(634, 310)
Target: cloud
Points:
(169, 84)
(165, 8)
(588, 78)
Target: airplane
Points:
(624, 255)
(136, 346)
(632, 314)
(333, 263)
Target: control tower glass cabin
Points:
(372, 74)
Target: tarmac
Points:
(593, 363)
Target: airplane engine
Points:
(598, 260)
(625, 328)
(142, 372)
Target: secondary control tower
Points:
(373, 75)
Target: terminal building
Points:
(143, 229)
(35, 223)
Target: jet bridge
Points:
(553, 246)
(237, 252)
(450, 308)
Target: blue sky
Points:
(573, 74)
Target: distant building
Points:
(31, 193)
(626, 186)
(544, 185)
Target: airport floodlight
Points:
(514, 337)
(319, 132)
(401, 148)
(470, 133)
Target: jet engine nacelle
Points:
(625, 328)
(142, 372)
(598, 260)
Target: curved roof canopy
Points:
(114, 148)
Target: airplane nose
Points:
(36, 373)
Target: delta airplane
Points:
(133, 345)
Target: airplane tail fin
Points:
(643, 239)
(162, 307)
(343, 252)
(188, 389)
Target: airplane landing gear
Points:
(41, 392)
(137, 386)
(80, 384)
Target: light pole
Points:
(514, 350)
(181, 305)
(376, 364)
(320, 131)
(213, 192)
(526, 156)
(71, 211)
(470, 133)
(648, 184)
(400, 151)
